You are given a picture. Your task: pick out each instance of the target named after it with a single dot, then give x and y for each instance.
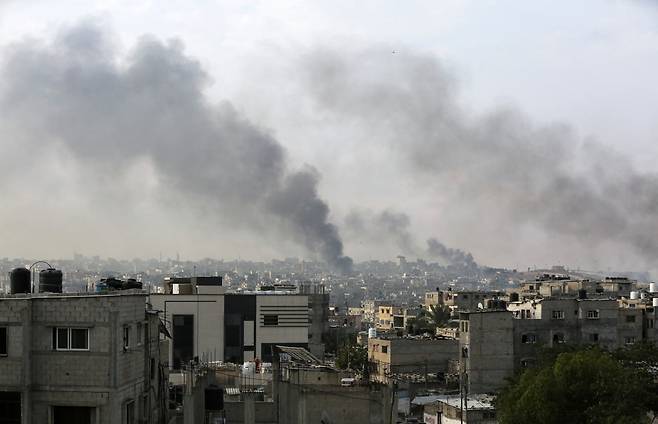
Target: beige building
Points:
(399, 355)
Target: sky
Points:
(512, 130)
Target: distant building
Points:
(80, 358)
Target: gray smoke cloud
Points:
(389, 226)
(436, 249)
(108, 112)
(514, 172)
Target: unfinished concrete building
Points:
(80, 358)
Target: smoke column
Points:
(81, 97)
(516, 173)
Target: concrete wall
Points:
(489, 358)
(332, 404)
(292, 311)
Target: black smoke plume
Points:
(79, 95)
(516, 173)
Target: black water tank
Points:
(131, 283)
(514, 297)
(19, 281)
(113, 283)
(50, 280)
(582, 294)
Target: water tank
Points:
(582, 294)
(653, 288)
(50, 280)
(655, 302)
(635, 295)
(513, 297)
(19, 281)
(131, 283)
(112, 283)
(372, 333)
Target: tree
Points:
(352, 356)
(439, 315)
(584, 386)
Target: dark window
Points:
(3, 341)
(152, 368)
(79, 338)
(270, 320)
(126, 337)
(384, 349)
(594, 337)
(72, 415)
(630, 318)
(63, 338)
(10, 407)
(71, 338)
(464, 352)
(130, 412)
(183, 343)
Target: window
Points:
(464, 352)
(152, 368)
(130, 412)
(558, 338)
(126, 337)
(629, 340)
(144, 407)
(70, 338)
(384, 349)
(465, 326)
(594, 337)
(593, 314)
(270, 320)
(3, 341)
(557, 315)
(529, 338)
(139, 333)
(630, 318)
(649, 325)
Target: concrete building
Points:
(453, 409)
(80, 358)
(212, 324)
(495, 343)
(398, 355)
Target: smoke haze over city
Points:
(126, 141)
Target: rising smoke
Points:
(394, 227)
(501, 167)
(109, 111)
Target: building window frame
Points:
(529, 338)
(4, 341)
(129, 412)
(270, 320)
(126, 337)
(593, 314)
(63, 339)
(557, 314)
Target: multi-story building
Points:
(495, 343)
(210, 324)
(80, 358)
(399, 355)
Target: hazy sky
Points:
(587, 68)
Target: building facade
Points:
(80, 358)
